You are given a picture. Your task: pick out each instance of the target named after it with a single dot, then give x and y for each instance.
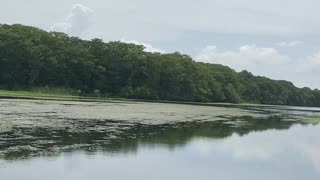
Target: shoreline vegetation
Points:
(36, 63)
(69, 95)
(38, 94)
(54, 96)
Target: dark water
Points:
(50, 140)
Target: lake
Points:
(70, 140)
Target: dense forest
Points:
(31, 57)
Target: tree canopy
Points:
(31, 57)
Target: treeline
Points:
(30, 57)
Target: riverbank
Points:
(40, 95)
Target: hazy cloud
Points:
(288, 44)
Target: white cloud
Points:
(244, 57)
(61, 27)
(77, 22)
(269, 62)
(288, 44)
(148, 47)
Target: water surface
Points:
(121, 140)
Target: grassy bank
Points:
(57, 94)
(71, 95)
(42, 93)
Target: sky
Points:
(272, 38)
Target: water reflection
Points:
(46, 140)
(277, 153)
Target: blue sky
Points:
(273, 38)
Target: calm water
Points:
(116, 140)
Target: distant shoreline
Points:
(54, 63)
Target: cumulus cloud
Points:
(244, 57)
(288, 44)
(77, 22)
(148, 47)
